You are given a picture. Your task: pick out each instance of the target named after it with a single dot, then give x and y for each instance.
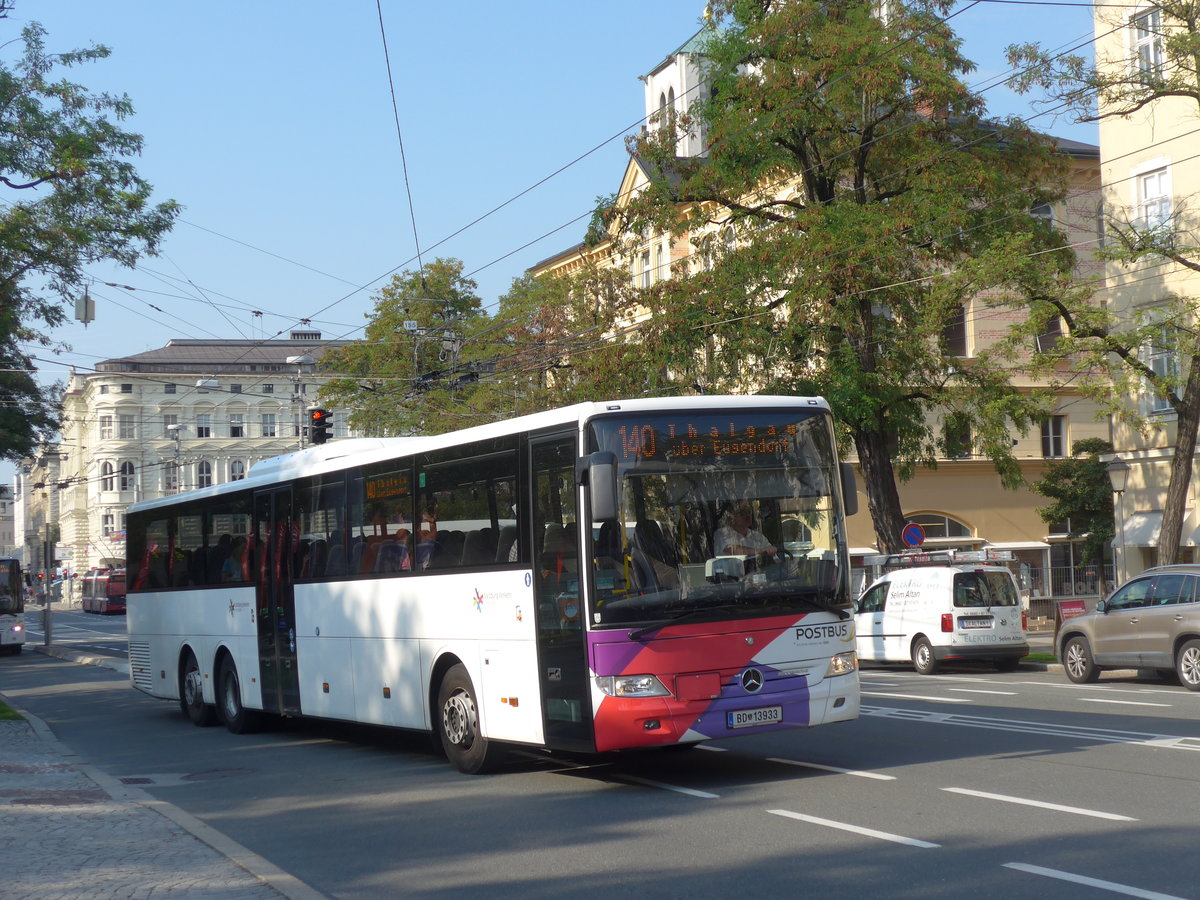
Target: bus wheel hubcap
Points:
(458, 719)
(191, 687)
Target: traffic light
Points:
(319, 425)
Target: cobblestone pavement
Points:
(70, 831)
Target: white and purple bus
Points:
(562, 580)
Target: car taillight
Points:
(1024, 620)
(947, 622)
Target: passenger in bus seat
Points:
(233, 569)
(427, 535)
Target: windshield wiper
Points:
(690, 615)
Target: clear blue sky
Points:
(272, 124)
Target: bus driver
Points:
(737, 538)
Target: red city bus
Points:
(104, 591)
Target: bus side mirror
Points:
(599, 471)
(849, 488)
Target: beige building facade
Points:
(1151, 176)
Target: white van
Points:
(928, 614)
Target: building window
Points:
(204, 425)
(237, 426)
(647, 272)
(955, 333)
(170, 478)
(106, 428)
(1154, 198)
(268, 425)
(168, 388)
(268, 388)
(127, 389)
(106, 476)
(128, 483)
(956, 438)
(125, 427)
(170, 425)
(1054, 437)
(204, 474)
(940, 526)
(108, 524)
(104, 388)
(1043, 212)
(1164, 361)
(1049, 339)
(237, 470)
(1148, 42)
(235, 389)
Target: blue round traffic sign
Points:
(913, 535)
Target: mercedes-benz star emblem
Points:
(752, 681)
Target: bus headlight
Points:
(631, 686)
(842, 664)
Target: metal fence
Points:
(1051, 584)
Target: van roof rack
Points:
(939, 557)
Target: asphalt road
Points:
(968, 783)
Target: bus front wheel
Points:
(236, 717)
(191, 694)
(458, 724)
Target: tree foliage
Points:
(1081, 493)
(71, 198)
(854, 197)
(1109, 348)
(403, 381)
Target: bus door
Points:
(557, 574)
(275, 543)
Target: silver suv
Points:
(1150, 622)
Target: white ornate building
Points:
(191, 414)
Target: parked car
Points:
(1150, 622)
(929, 614)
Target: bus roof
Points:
(337, 455)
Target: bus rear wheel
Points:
(458, 724)
(191, 694)
(236, 717)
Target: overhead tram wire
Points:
(400, 137)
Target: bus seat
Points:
(335, 562)
(505, 541)
(314, 563)
(390, 556)
(479, 547)
(608, 542)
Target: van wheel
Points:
(922, 657)
(236, 717)
(1078, 662)
(458, 724)
(191, 694)
(1187, 665)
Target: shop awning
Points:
(1140, 530)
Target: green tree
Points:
(71, 198)
(399, 381)
(854, 197)
(1081, 494)
(1113, 349)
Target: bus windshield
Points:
(721, 516)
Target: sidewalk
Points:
(71, 831)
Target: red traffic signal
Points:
(320, 426)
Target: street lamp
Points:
(1118, 474)
(297, 400)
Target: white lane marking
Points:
(973, 691)
(712, 749)
(856, 829)
(1111, 688)
(1123, 702)
(1101, 735)
(914, 697)
(1113, 886)
(1040, 804)
(840, 771)
(704, 795)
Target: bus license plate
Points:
(746, 718)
